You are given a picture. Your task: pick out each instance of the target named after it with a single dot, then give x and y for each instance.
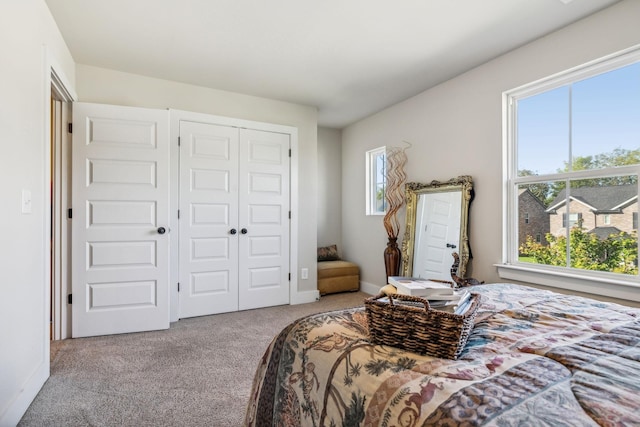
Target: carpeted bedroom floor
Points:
(197, 373)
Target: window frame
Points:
(371, 181)
(596, 282)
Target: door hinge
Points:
(289, 276)
(70, 127)
(70, 299)
(178, 141)
(289, 214)
(178, 286)
(289, 152)
(69, 213)
(178, 213)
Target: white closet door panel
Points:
(264, 214)
(209, 213)
(120, 199)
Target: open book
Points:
(420, 287)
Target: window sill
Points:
(625, 290)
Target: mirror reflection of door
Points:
(438, 223)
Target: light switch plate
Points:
(26, 201)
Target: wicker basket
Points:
(419, 329)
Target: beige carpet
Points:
(197, 373)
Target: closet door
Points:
(264, 219)
(234, 219)
(209, 229)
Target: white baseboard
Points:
(369, 288)
(305, 297)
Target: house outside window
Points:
(573, 143)
(376, 161)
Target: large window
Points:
(573, 147)
(376, 181)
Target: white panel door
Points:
(208, 219)
(439, 217)
(120, 255)
(264, 219)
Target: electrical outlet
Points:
(304, 273)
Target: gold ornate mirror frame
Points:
(413, 190)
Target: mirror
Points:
(436, 225)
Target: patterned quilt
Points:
(534, 358)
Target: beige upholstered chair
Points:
(335, 274)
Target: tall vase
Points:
(392, 258)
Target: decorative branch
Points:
(394, 192)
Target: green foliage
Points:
(618, 157)
(541, 190)
(546, 192)
(618, 253)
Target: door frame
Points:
(57, 86)
(60, 202)
(175, 116)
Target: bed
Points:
(534, 358)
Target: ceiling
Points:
(348, 58)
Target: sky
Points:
(592, 116)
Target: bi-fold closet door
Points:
(234, 218)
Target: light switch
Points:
(26, 201)
(304, 273)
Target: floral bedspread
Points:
(534, 358)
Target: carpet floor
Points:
(196, 373)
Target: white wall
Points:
(26, 27)
(330, 187)
(456, 129)
(105, 86)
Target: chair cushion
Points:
(330, 285)
(336, 269)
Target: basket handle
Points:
(423, 301)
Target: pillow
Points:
(328, 253)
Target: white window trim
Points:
(370, 189)
(595, 282)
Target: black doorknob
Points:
(232, 231)
(449, 245)
(162, 230)
(243, 231)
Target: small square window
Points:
(376, 181)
